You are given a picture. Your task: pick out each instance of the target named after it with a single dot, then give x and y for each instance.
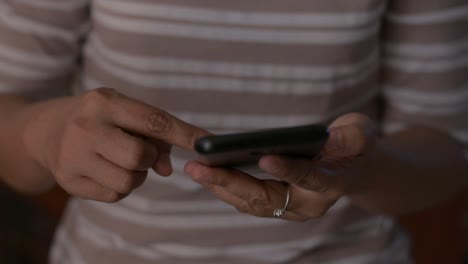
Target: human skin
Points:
(98, 146)
(396, 174)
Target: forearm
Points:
(17, 168)
(410, 171)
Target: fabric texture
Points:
(233, 66)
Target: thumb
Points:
(349, 136)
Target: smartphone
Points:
(248, 147)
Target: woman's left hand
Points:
(314, 185)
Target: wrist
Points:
(18, 167)
(42, 127)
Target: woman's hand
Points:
(100, 145)
(315, 185)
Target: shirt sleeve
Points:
(425, 66)
(40, 45)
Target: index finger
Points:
(155, 123)
(247, 193)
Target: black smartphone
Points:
(247, 147)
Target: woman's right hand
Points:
(100, 145)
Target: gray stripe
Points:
(292, 242)
(189, 82)
(9, 18)
(218, 16)
(459, 12)
(236, 34)
(292, 6)
(68, 5)
(239, 52)
(430, 50)
(427, 65)
(455, 121)
(97, 47)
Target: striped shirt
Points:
(233, 66)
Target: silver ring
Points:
(280, 211)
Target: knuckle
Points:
(79, 126)
(158, 122)
(127, 184)
(244, 207)
(61, 178)
(111, 197)
(137, 156)
(98, 97)
(255, 207)
(79, 129)
(140, 179)
(306, 179)
(101, 94)
(60, 174)
(311, 180)
(260, 200)
(224, 182)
